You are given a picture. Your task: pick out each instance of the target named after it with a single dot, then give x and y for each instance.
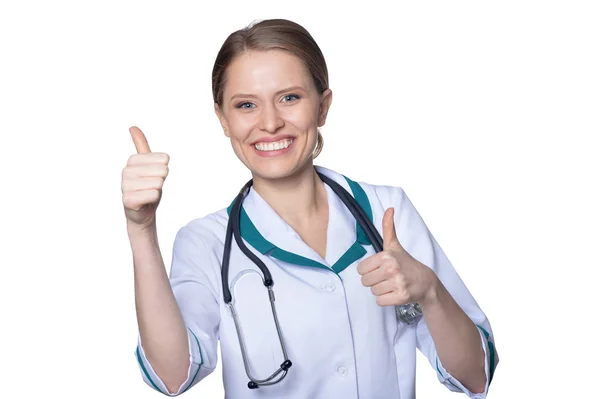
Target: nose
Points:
(270, 119)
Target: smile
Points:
(277, 145)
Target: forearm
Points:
(162, 330)
(456, 338)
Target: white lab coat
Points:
(341, 343)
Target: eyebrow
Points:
(291, 88)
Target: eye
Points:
(244, 105)
(290, 97)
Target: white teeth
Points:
(279, 145)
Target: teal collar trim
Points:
(361, 197)
(356, 251)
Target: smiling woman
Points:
(359, 279)
(271, 106)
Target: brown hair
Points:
(272, 34)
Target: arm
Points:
(177, 317)
(454, 334)
(456, 338)
(162, 330)
(178, 337)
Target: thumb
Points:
(390, 240)
(141, 144)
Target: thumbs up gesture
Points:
(142, 181)
(394, 276)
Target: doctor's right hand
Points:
(142, 181)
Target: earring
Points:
(319, 145)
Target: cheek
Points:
(240, 127)
(303, 117)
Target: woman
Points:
(336, 298)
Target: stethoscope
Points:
(408, 313)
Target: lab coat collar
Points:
(262, 228)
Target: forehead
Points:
(256, 72)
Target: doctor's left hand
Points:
(395, 277)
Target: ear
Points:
(326, 99)
(222, 119)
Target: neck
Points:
(297, 199)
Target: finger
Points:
(145, 158)
(148, 170)
(137, 199)
(139, 139)
(389, 299)
(382, 288)
(371, 263)
(390, 240)
(142, 184)
(373, 277)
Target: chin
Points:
(278, 169)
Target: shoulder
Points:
(379, 196)
(208, 231)
(410, 227)
(197, 250)
(383, 195)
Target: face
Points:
(271, 111)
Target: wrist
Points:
(434, 293)
(135, 230)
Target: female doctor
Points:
(325, 313)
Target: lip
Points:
(272, 139)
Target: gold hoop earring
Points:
(319, 145)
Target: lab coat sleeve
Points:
(416, 238)
(194, 283)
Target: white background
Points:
(486, 113)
